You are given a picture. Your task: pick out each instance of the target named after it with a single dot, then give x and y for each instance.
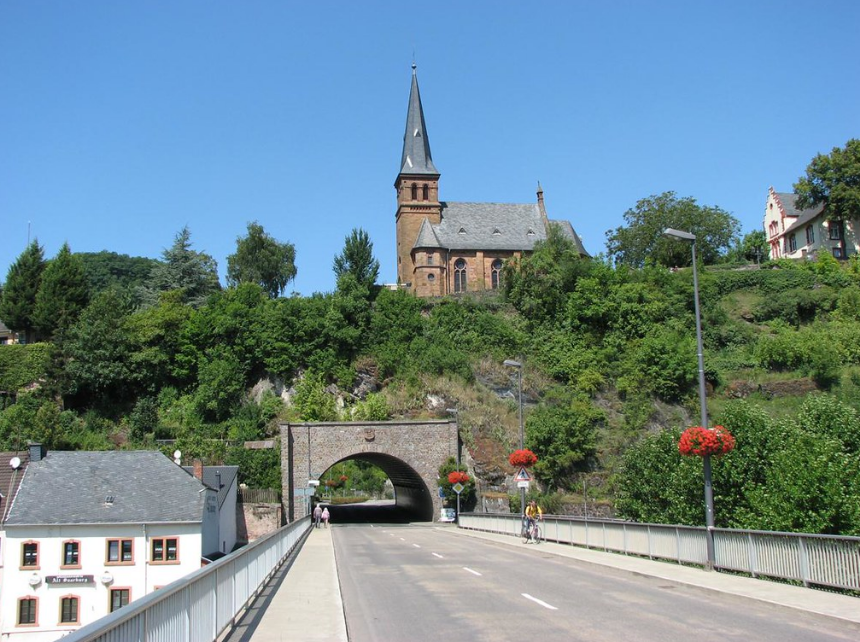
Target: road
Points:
(423, 582)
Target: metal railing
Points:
(820, 560)
(200, 606)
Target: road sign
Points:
(458, 488)
(522, 484)
(523, 476)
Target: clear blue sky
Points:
(121, 122)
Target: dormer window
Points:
(531, 232)
(497, 232)
(462, 230)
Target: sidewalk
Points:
(304, 608)
(813, 601)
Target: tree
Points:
(261, 259)
(752, 247)
(641, 241)
(834, 182)
(18, 304)
(111, 270)
(357, 259)
(62, 295)
(194, 273)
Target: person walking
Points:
(325, 516)
(317, 515)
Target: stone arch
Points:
(410, 453)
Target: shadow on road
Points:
(367, 513)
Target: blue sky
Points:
(121, 122)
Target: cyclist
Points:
(534, 513)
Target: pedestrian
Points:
(325, 516)
(317, 515)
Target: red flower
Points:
(701, 441)
(458, 477)
(522, 458)
(343, 478)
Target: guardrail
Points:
(200, 606)
(820, 560)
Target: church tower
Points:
(417, 187)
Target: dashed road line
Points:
(466, 568)
(439, 556)
(417, 545)
(541, 602)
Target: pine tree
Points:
(62, 294)
(357, 259)
(19, 293)
(194, 273)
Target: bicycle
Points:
(531, 531)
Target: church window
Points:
(414, 192)
(496, 274)
(425, 193)
(431, 278)
(430, 259)
(459, 275)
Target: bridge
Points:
(288, 585)
(409, 452)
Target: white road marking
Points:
(466, 568)
(439, 556)
(416, 546)
(541, 602)
(402, 539)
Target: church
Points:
(446, 247)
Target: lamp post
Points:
(510, 363)
(455, 412)
(703, 407)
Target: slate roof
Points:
(490, 226)
(210, 478)
(789, 206)
(72, 488)
(416, 158)
(10, 479)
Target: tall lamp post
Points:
(706, 460)
(510, 363)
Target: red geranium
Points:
(457, 477)
(701, 441)
(522, 458)
(343, 478)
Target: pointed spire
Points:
(416, 146)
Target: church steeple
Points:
(416, 159)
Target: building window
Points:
(496, 274)
(429, 259)
(164, 549)
(425, 193)
(834, 231)
(792, 243)
(71, 554)
(118, 598)
(431, 278)
(810, 235)
(69, 610)
(837, 252)
(120, 551)
(30, 555)
(414, 192)
(459, 275)
(27, 611)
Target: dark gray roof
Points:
(74, 488)
(569, 232)
(490, 226)
(210, 478)
(416, 157)
(789, 206)
(426, 236)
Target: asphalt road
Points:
(419, 582)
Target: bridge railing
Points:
(821, 560)
(203, 604)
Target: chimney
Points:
(218, 479)
(198, 469)
(37, 452)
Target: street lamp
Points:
(455, 412)
(510, 363)
(706, 460)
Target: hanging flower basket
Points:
(522, 458)
(698, 441)
(458, 477)
(343, 478)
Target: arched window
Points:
(496, 274)
(459, 275)
(425, 192)
(414, 192)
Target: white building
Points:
(798, 234)
(225, 481)
(88, 532)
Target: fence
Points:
(259, 496)
(820, 560)
(202, 605)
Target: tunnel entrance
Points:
(410, 453)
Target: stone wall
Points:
(410, 453)
(253, 520)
